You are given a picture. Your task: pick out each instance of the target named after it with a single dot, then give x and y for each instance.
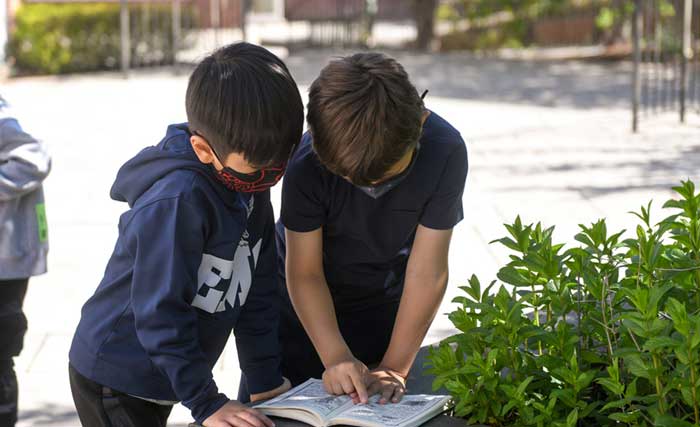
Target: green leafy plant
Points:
(604, 333)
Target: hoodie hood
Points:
(174, 152)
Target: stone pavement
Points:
(548, 141)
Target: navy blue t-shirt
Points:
(367, 241)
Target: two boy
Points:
(368, 204)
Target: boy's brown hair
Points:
(364, 116)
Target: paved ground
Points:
(548, 141)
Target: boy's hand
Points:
(236, 414)
(387, 382)
(346, 377)
(286, 385)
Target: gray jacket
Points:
(24, 164)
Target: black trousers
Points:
(100, 406)
(13, 326)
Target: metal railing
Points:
(666, 76)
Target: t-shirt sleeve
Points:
(444, 209)
(302, 190)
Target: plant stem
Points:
(693, 390)
(536, 304)
(603, 296)
(659, 386)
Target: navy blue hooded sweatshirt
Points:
(193, 262)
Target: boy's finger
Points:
(236, 421)
(374, 388)
(359, 382)
(398, 394)
(268, 422)
(246, 419)
(328, 385)
(346, 384)
(387, 392)
(337, 388)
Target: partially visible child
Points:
(195, 256)
(24, 164)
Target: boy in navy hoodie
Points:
(195, 256)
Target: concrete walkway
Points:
(548, 141)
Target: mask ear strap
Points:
(424, 93)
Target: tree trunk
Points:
(424, 15)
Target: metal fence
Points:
(159, 32)
(666, 35)
(183, 30)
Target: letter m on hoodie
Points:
(219, 280)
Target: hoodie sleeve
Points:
(166, 239)
(24, 163)
(256, 332)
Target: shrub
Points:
(605, 333)
(65, 38)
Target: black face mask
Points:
(378, 190)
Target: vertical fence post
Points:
(686, 54)
(125, 36)
(244, 14)
(176, 25)
(636, 73)
(215, 19)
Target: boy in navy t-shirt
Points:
(368, 206)
(195, 258)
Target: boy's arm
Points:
(166, 240)
(24, 163)
(256, 332)
(424, 287)
(313, 304)
(426, 277)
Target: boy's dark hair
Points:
(243, 99)
(364, 115)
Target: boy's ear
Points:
(423, 118)
(202, 149)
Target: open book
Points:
(310, 404)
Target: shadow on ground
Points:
(49, 415)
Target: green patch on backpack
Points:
(41, 223)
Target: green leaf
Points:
(638, 368)
(572, 418)
(613, 387)
(670, 421)
(622, 417)
(615, 404)
(654, 344)
(585, 379)
(687, 394)
(513, 277)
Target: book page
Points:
(411, 407)
(309, 396)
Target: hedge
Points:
(68, 38)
